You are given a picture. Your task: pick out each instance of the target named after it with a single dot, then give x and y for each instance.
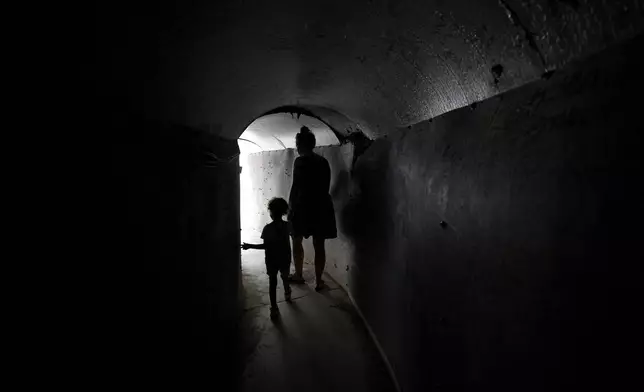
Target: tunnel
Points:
(486, 165)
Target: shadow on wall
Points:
(364, 216)
(529, 283)
(173, 264)
(539, 192)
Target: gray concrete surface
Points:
(384, 64)
(531, 283)
(318, 343)
(277, 131)
(536, 190)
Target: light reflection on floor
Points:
(317, 344)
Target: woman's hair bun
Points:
(305, 138)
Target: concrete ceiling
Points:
(371, 65)
(277, 132)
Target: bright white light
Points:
(277, 131)
(248, 208)
(268, 133)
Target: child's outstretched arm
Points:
(246, 246)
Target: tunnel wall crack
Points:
(528, 35)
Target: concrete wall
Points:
(528, 284)
(540, 194)
(383, 64)
(172, 235)
(509, 293)
(270, 174)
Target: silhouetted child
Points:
(278, 250)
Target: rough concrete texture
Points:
(527, 285)
(319, 343)
(494, 247)
(565, 29)
(520, 287)
(383, 64)
(271, 176)
(277, 131)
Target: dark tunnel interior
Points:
(486, 183)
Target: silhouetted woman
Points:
(311, 212)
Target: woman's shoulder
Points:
(300, 161)
(321, 161)
(318, 158)
(306, 159)
(312, 160)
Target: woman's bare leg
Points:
(320, 258)
(287, 287)
(298, 256)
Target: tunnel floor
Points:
(319, 342)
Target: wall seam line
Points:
(371, 333)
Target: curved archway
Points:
(389, 66)
(267, 153)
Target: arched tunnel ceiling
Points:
(382, 64)
(277, 132)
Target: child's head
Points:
(277, 208)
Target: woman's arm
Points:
(297, 179)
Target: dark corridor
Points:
(487, 189)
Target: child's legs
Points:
(320, 257)
(272, 287)
(298, 255)
(284, 273)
